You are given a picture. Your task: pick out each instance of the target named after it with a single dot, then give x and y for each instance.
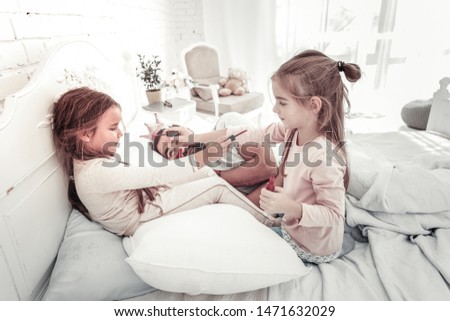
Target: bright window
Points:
(397, 43)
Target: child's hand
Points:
(153, 128)
(224, 144)
(275, 202)
(185, 134)
(216, 149)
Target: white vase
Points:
(153, 96)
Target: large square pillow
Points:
(91, 265)
(214, 249)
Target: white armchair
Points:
(202, 65)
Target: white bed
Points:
(398, 206)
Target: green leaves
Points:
(150, 72)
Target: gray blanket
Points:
(398, 216)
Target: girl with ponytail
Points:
(313, 175)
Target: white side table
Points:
(181, 110)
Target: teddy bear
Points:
(235, 83)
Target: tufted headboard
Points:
(33, 189)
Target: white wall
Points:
(28, 28)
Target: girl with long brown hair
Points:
(86, 133)
(313, 175)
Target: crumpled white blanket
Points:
(421, 185)
(399, 198)
(403, 208)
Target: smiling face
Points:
(105, 137)
(293, 114)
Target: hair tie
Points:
(48, 123)
(340, 65)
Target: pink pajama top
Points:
(108, 190)
(315, 179)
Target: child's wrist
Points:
(295, 210)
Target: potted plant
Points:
(150, 73)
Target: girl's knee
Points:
(205, 172)
(216, 180)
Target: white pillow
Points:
(214, 249)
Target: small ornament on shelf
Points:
(176, 85)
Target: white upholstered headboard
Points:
(33, 190)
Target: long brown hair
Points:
(77, 111)
(312, 73)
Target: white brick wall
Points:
(6, 30)
(29, 27)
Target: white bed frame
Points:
(33, 189)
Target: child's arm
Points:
(210, 136)
(188, 136)
(108, 175)
(153, 128)
(329, 206)
(280, 202)
(321, 201)
(274, 132)
(213, 151)
(328, 185)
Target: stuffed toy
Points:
(234, 84)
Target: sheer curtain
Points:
(244, 34)
(402, 46)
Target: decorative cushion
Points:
(415, 113)
(205, 93)
(91, 265)
(214, 249)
